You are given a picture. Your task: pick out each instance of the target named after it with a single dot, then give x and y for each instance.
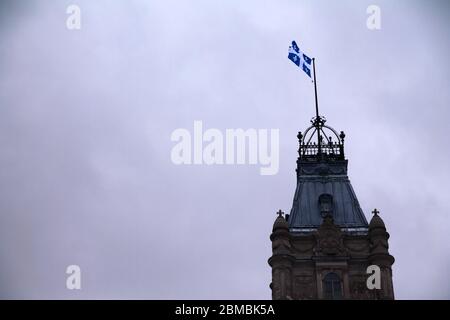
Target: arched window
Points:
(332, 288)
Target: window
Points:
(326, 204)
(332, 286)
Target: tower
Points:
(323, 248)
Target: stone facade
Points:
(301, 261)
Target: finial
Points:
(342, 136)
(375, 212)
(280, 213)
(299, 136)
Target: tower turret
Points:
(281, 260)
(379, 254)
(322, 249)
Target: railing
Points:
(330, 149)
(323, 134)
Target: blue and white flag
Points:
(299, 58)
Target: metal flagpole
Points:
(315, 87)
(317, 107)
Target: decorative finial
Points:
(375, 212)
(280, 213)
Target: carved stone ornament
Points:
(329, 239)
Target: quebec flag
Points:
(299, 58)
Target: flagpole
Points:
(317, 108)
(315, 87)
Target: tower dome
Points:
(376, 221)
(280, 222)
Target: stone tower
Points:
(323, 248)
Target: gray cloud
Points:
(86, 118)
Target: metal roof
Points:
(321, 173)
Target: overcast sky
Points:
(86, 117)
